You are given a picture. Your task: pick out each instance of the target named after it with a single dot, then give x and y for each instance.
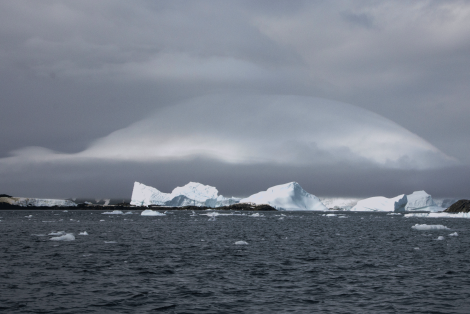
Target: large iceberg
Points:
(382, 204)
(192, 194)
(339, 203)
(289, 196)
(421, 201)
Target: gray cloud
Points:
(73, 72)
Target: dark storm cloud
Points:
(75, 71)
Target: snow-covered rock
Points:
(193, 193)
(289, 196)
(382, 204)
(37, 202)
(421, 201)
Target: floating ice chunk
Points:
(114, 212)
(102, 220)
(149, 212)
(65, 237)
(256, 215)
(417, 248)
(39, 235)
(65, 211)
(128, 213)
(455, 234)
(439, 238)
(30, 216)
(391, 214)
(329, 215)
(429, 227)
(438, 215)
(110, 242)
(241, 243)
(83, 233)
(343, 217)
(57, 233)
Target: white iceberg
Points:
(65, 237)
(289, 196)
(421, 201)
(429, 227)
(149, 212)
(382, 204)
(193, 193)
(57, 233)
(339, 203)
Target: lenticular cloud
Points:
(269, 129)
(254, 129)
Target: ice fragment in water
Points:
(455, 234)
(114, 212)
(429, 227)
(440, 238)
(65, 237)
(149, 212)
(110, 242)
(241, 243)
(57, 233)
(83, 233)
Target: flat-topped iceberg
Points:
(339, 203)
(192, 194)
(421, 201)
(289, 196)
(382, 204)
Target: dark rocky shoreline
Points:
(127, 207)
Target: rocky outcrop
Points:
(461, 206)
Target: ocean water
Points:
(292, 262)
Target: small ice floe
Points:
(429, 227)
(241, 243)
(149, 212)
(343, 217)
(83, 233)
(391, 214)
(110, 242)
(128, 213)
(329, 215)
(65, 237)
(39, 235)
(455, 234)
(439, 238)
(102, 220)
(417, 248)
(256, 215)
(193, 214)
(114, 212)
(65, 211)
(30, 216)
(57, 233)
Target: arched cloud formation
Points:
(254, 129)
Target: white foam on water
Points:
(455, 234)
(241, 243)
(57, 233)
(65, 237)
(417, 248)
(440, 238)
(429, 227)
(329, 215)
(149, 212)
(114, 212)
(343, 217)
(30, 216)
(83, 233)
(39, 235)
(128, 213)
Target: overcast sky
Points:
(348, 98)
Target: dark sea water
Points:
(178, 263)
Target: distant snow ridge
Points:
(25, 202)
(193, 193)
(289, 196)
(421, 201)
(382, 204)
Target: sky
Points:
(348, 98)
